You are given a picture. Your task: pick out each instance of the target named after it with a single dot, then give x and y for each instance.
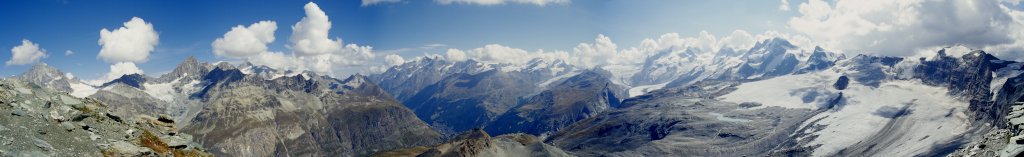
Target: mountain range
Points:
(773, 99)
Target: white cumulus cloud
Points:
(309, 35)
(495, 53)
(26, 53)
(456, 55)
(68, 52)
(784, 6)
(902, 28)
(276, 60)
(603, 51)
(116, 71)
(312, 46)
(600, 52)
(131, 43)
(393, 60)
(244, 41)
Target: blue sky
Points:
(188, 27)
(407, 27)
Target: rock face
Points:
(41, 122)
(247, 115)
(576, 98)
(970, 76)
(477, 143)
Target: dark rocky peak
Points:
(46, 76)
(190, 68)
(818, 49)
(225, 66)
(841, 83)
(133, 80)
(221, 74)
(41, 72)
(431, 59)
(356, 82)
(767, 50)
(819, 54)
(246, 64)
(883, 60)
(356, 79)
(979, 57)
(43, 68)
(218, 77)
(818, 60)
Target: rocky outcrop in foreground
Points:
(476, 142)
(41, 122)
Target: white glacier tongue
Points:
(899, 117)
(163, 91)
(808, 91)
(641, 90)
(82, 90)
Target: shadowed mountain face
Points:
(132, 80)
(466, 101)
(576, 98)
(469, 94)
